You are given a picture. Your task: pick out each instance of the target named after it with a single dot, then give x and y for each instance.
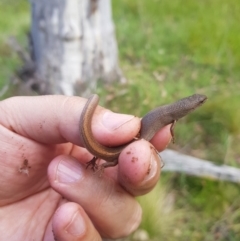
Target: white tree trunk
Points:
(74, 45)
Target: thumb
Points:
(70, 222)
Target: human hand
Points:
(45, 189)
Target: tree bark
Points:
(73, 45)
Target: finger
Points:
(162, 138)
(71, 223)
(114, 212)
(139, 167)
(140, 164)
(55, 119)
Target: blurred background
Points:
(169, 50)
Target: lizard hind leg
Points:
(93, 164)
(101, 167)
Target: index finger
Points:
(55, 119)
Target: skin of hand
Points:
(46, 192)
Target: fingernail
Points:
(68, 171)
(113, 120)
(77, 226)
(153, 165)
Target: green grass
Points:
(14, 21)
(168, 50)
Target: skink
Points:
(151, 123)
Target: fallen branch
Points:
(177, 162)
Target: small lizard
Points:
(151, 123)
